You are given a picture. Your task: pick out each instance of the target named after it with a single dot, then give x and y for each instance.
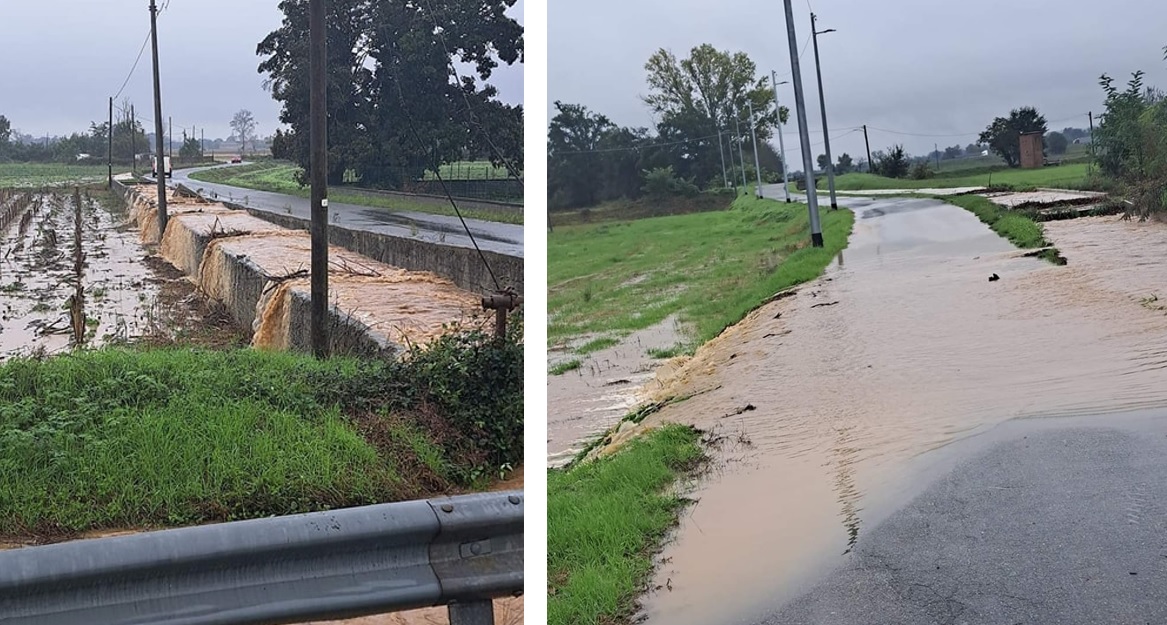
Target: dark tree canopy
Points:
(892, 164)
(1056, 142)
(1003, 136)
(394, 108)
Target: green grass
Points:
(469, 170)
(1068, 175)
(1020, 229)
(708, 268)
(135, 437)
(31, 175)
(604, 521)
(279, 177)
(596, 345)
(564, 367)
(666, 353)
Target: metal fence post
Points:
(472, 613)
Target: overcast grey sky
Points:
(60, 61)
(936, 67)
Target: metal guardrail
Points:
(461, 551)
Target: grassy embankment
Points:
(606, 518)
(126, 437)
(708, 268)
(1071, 176)
(1019, 228)
(279, 177)
(35, 175)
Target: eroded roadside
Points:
(903, 346)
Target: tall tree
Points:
(243, 125)
(395, 107)
(845, 164)
(574, 163)
(1003, 136)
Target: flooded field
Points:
(903, 346)
(52, 289)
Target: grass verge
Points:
(1020, 229)
(279, 177)
(708, 268)
(606, 519)
(564, 367)
(1072, 175)
(122, 437)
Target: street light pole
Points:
(823, 103)
(741, 155)
(781, 144)
(812, 202)
(754, 140)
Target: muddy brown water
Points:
(36, 277)
(587, 401)
(902, 347)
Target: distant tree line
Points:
(702, 104)
(127, 135)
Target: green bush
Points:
(662, 182)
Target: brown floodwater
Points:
(903, 346)
(587, 401)
(37, 277)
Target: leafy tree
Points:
(973, 149)
(661, 182)
(574, 163)
(395, 108)
(283, 145)
(893, 163)
(822, 161)
(844, 165)
(1074, 134)
(243, 125)
(190, 150)
(922, 170)
(953, 152)
(5, 131)
(1003, 136)
(1056, 142)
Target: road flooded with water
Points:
(903, 346)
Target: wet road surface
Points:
(1055, 521)
(496, 237)
(902, 347)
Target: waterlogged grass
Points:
(605, 519)
(708, 268)
(1069, 175)
(123, 437)
(666, 353)
(280, 177)
(1018, 228)
(596, 345)
(33, 175)
(564, 367)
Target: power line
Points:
(135, 67)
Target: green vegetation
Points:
(624, 209)
(605, 519)
(665, 353)
(469, 170)
(123, 437)
(32, 175)
(564, 367)
(596, 345)
(709, 268)
(1019, 228)
(1062, 176)
(280, 177)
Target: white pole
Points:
(754, 139)
(781, 144)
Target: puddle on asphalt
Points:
(902, 349)
(587, 401)
(37, 276)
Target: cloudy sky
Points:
(928, 67)
(60, 61)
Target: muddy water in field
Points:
(587, 401)
(37, 277)
(901, 347)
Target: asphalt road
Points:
(496, 237)
(1056, 521)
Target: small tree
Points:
(893, 164)
(662, 182)
(1056, 142)
(952, 152)
(823, 162)
(190, 150)
(243, 125)
(845, 164)
(973, 149)
(921, 171)
(1003, 136)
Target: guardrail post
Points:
(472, 613)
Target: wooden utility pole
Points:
(160, 162)
(318, 135)
(109, 136)
(870, 165)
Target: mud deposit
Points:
(903, 346)
(122, 295)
